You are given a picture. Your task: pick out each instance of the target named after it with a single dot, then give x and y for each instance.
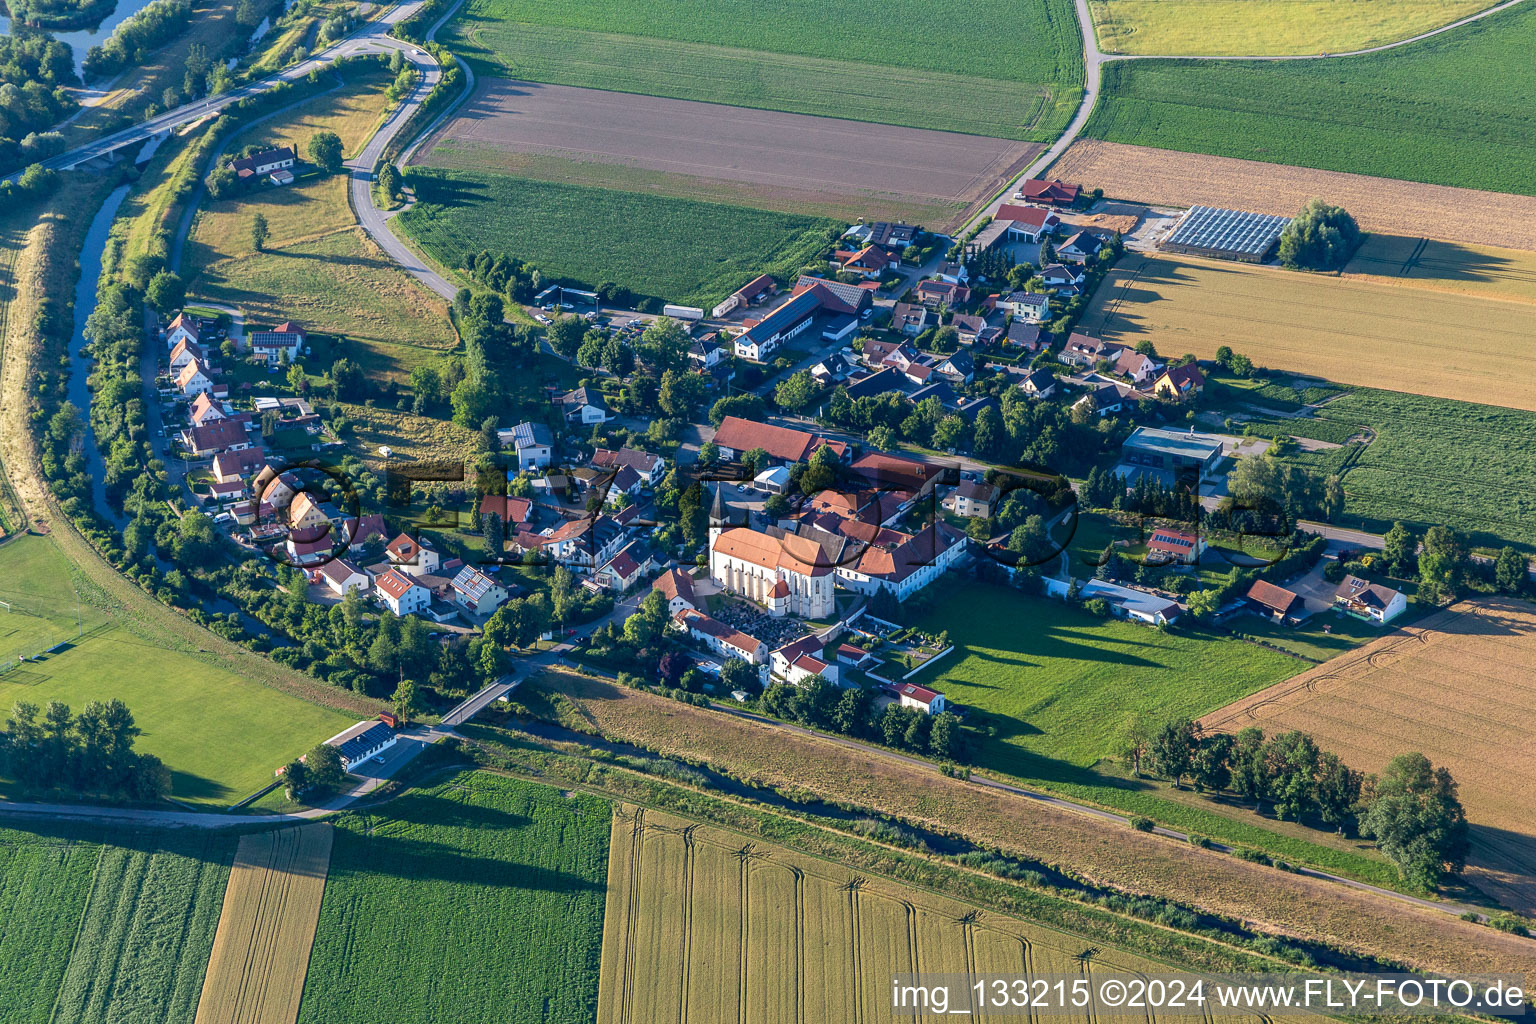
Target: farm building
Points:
(1226, 234)
(1130, 603)
(1283, 606)
(362, 741)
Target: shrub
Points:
(1141, 824)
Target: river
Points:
(81, 40)
(79, 361)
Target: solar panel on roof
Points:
(1228, 231)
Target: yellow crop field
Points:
(1456, 687)
(704, 925)
(261, 950)
(1481, 271)
(1229, 28)
(1421, 341)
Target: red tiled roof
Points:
(395, 583)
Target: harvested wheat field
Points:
(261, 950)
(1483, 271)
(703, 924)
(1458, 687)
(736, 155)
(1350, 330)
(1162, 177)
(1103, 851)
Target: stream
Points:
(81, 40)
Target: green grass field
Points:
(221, 735)
(988, 67)
(147, 931)
(678, 249)
(44, 884)
(1057, 684)
(1432, 461)
(480, 899)
(1452, 110)
(97, 929)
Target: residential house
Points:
(897, 354)
(194, 379)
(259, 165)
(476, 592)
(513, 512)
(1062, 280)
(942, 293)
(1104, 398)
(1085, 350)
(830, 370)
(401, 594)
(724, 640)
(1032, 307)
(205, 410)
(584, 406)
(532, 442)
(676, 587)
(783, 444)
(217, 436)
(959, 367)
(282, 342)
(869, 262)
(1039, 384)
(1138, 367)
(855, 657)
(975, 499)
(1179, 383)
(969, 327)
(802, 660)
(1080, 247)
(412, 557)
(1171, 545)
(624, 569)
(186, 352)
(1048, 191)
(340, 576)
(895, 237)
(237, 464)
(910, 695)
(909, 319)
(624, 487)
(954, 273)
(651, 468)
(707, 351)
(1277, 603)
(306, 519)
(1028, 336)
(183, 328)
(1372, 602)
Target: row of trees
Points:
(851, 712)
(51, 748)
(34, 70)
(1411, 809)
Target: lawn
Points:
(1426, 341)
(35, 581)
(115, 931)
(856, 61)
(1310, 640)
(340, 283)
(1049, 682)
(682, 250)
(1241, 27)
(1452, 110)
(478, 899)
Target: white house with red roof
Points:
(205, 410)
(284, 339)
(401, 594)
(412, 557)
(910, 695)
(1169, 545)
(183, 328)
(194, 379)
(184, 353)
(726, 641)
(798, 661)
(340, 576)
(676, 587)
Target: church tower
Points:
(717, 521)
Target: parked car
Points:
(541, 318)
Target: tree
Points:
(849, 715)
(1398, 548)
(389, 180)
(427, 384)
(1417, 821)
(258, 232)
(323, 767)
(1136, 743)
(325, 151)
(680, 392)
(565, 335)
(298, 380)
(1171, 753)
(944, 738)
(1290, 761)
(1209, 767)
(1338, 789)
(1333, 496)
(1510, 571)
(166, 292)
(406, 701)
(1442, 564)
(1320, 237)
(295, 779)
(1250, 776)
(796, 391)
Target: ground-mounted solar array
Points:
(1226, 234)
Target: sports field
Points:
(479, 899)
(706, 925)
(1422, 341)
(1411, 209)
(681, 250)
(1259, 27)
(1452, 110)
(107, 933)
(1456, 687)
(1050, 682)
(261, 950)
(761, 158)
(925, 68)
